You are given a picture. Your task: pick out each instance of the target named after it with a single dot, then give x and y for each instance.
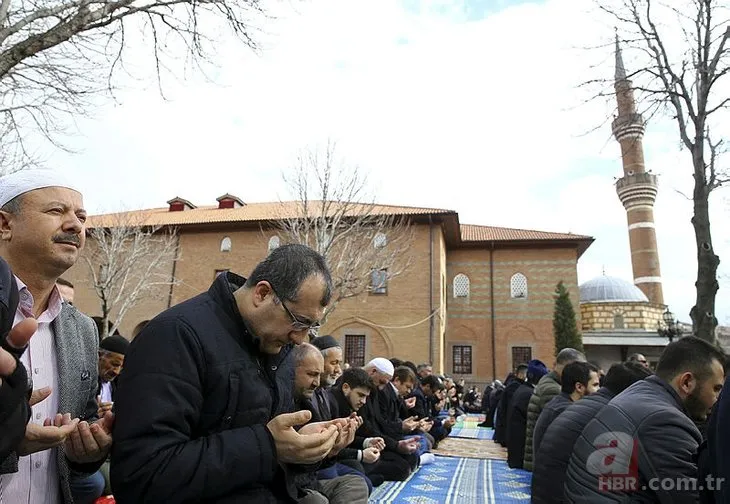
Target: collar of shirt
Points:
(395, 389)
(25, 304)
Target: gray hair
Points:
(326, 351)
(303, 351)
(13, 206)
(568, 355)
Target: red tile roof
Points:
(250, 212)
(474, 233)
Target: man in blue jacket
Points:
(204, 403)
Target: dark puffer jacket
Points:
(547, 388)
(192, 406)
(548, 475)
(657, 446)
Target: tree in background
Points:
(565, 329)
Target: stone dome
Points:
(606, 289)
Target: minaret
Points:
(637, 189)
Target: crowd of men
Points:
(230, 397)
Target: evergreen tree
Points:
(565, 329)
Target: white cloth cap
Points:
(23, 181)
(383, 365)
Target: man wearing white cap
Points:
(41, 236)
(398, 452)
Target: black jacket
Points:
(192, 404)
(516, 425)
(553, 455)
(549, 413)
(374, 425)
(14, 408)
(503, 406)
(656, 437)
(714, 460)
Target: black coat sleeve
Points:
(157, 455)
(14, 410)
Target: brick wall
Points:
(596, 316)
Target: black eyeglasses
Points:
(296, 323)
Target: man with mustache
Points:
(42, 231)
(336, 486)
(642, 446)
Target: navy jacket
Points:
(549, 413)
(553, 455)
(192, 404)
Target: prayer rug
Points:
(471, 432)
(458, 481)
(470, 448)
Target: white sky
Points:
(444, 104)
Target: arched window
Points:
(226, 244)
(274, 242)
(618, 321)
(380, 240)
(461, 286)
(518, 286)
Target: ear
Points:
(261, 291)
(580, 388)
(5, 225)
(345, 388)
(686, 382)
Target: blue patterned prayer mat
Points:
(471, 432)
(458, 480)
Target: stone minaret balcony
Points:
(637, 189)
(628, 127)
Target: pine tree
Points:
(565, 329)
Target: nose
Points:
(72, 223)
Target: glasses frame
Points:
(296, 324)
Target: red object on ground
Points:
(107, 499)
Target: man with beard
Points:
(647, 433)
(338, 489)
(332, 358)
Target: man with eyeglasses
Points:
(204, 404)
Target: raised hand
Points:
(88, 442)
(311, 444)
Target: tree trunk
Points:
(703, 312)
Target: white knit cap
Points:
(23, 181)
(383, 365)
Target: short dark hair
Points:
(620, 376)
(356, 378)
(521, 368)
(13, 206)
(568, 355)
(576, 372)
(688, 354)
(396, 362)
(63, 281)
(411, 365)
(287, 267)
(433, 382)
(404, 374)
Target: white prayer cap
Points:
(383, 365)
(23, 181)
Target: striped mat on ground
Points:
(458, 480)
(467, 426)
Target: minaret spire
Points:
(620, 74)
(637, 189)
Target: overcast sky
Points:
(466, 105)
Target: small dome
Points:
(605, 289)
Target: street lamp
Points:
(671, 328)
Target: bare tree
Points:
(684, 47)
(127, 264)
(56, 55)
(365, 244)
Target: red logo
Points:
(615, 462)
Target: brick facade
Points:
(418, 319)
